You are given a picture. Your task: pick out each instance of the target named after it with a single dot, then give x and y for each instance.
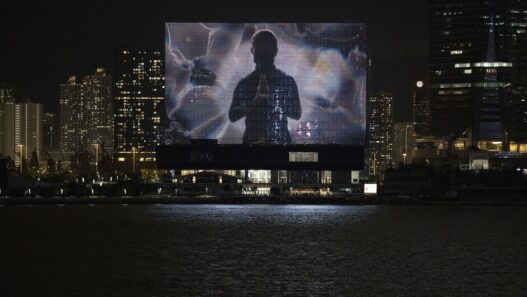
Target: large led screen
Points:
(276, 83)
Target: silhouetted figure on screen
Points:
(266, 97)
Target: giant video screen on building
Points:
(266, 83)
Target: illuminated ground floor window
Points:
(325, 177)
(260, 176)
(493, 146)
(282, 177)
(518, 147)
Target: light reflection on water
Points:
(203, 250)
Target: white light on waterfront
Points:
(370, 188)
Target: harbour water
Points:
(262, 250)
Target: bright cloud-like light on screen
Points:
(205, 63)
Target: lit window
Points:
(462, 65)
(303, 156)
(492, 64)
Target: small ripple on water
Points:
(200, 250)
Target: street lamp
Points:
(21, 146)
(133, 160)
(96, 157)
(405, 144)
(374, 164)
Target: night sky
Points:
(42, 44)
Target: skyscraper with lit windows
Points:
(7, 120)
(50, 132)
(97, 92)
(420, 109)
(380, 132)
(139, 108)
(28, 131)
(73, 122)
(6, 93)
(21, 131)
(478, 71)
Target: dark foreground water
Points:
(263, 250)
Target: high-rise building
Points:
(516, 94)
(28, 131)
(97, 92)
(380, 132)
(478, 71)
(420, 109)
(6, 93)
(139, 108)
(7, 130)
(7, 113)
(20, 127)
(50, 132)
(403, 143)
(73, 120)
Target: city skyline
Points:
(263, 148)
(80, 44)
(478, 57)
(125, 110)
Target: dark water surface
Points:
(263, 250)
